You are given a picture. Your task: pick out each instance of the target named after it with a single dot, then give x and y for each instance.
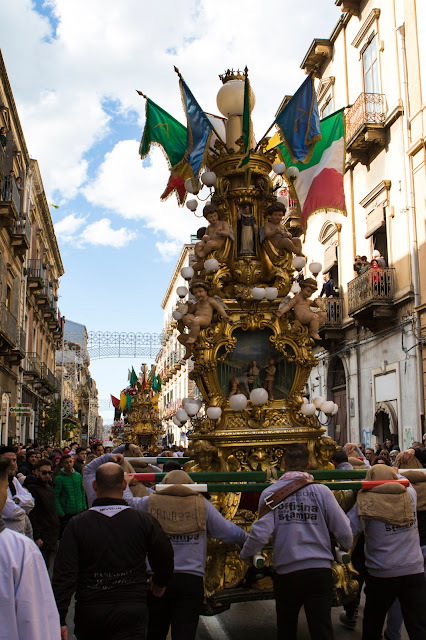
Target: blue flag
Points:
(299, 122)
(199, 130)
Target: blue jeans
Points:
(394, 618)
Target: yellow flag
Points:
(123, 401)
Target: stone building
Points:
(370, 357)
(30, 268)
(170, 364)
(80, 405)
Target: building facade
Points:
(30, 268)
(370, 358)
(170, 363)
(80, 404)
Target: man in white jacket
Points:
(19, 501)
(27, 606)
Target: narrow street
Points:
(256, 621)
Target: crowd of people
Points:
(73, 521)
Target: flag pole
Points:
(264, 136)
(141, 94)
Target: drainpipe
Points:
(410, 208)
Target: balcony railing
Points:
(334, 312)
(11, 193)
(371, 287)
(22, 227)
(368, 108)
(21, 340)
(47, 374)
(8, 324)
(32, 364)
(36, 269)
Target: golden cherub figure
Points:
(199, 315)
(215, 237)
(277, 235)
(301, 304)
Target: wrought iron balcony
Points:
(332, 329)
(371, 294)
(8, 326)
(365, 125)
(32, 365)
(21, 236)
(10, 202)
(44, 297)
(51, 382)
(36, 277)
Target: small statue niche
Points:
(247, 230)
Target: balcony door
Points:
(337, 382)
(370, 66)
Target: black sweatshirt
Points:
(102, 556)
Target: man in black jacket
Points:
(44, 518)
(102, 558)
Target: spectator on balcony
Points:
(380, 259)
(375, 272)
(357, 265)
(3, 138)
(328, 288)
(365, 265)
(19, 183)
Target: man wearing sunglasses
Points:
(44, 517)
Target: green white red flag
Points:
(319, 185)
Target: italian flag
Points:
(319, 185)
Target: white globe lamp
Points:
(307, 409)
(177, 315)
(211, 265)
(230, 98)
(318, 401)
(187, 273)
(327, 407)
(181, 291)
(278, 168)
(292, 173)
(315, 268)
(271, 293)
(298, 263)
(214, 413)
(238, 402)
(258, 293)
(259, 396)
(181, 415)
(192, 205)
(208, 178)
(191, 408)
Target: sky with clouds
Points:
(74, 67)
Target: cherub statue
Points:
(199, 314)
(301, 304)
(277, 235)
(205, 458)
(215, 236)
(248, 229)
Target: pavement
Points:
(254, 620)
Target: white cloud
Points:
(100, 233)
(66, 228)
(168, 249)
(125, 187)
